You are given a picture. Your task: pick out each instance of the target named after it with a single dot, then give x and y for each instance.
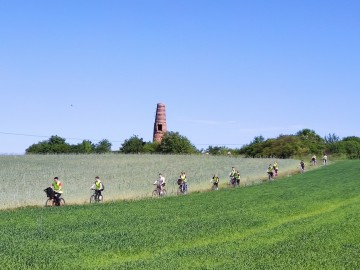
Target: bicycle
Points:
(158, 192)
(233, 182)
(181, 190)
(51, 201)
(96, 197)
(215, 185)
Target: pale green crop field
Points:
(23, 178)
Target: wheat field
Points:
(23, 178)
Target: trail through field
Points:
(125, 176)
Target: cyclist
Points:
(160, 183)
(276, 168)
(215, 180)
(325, 159)
(302, 166)
(270, 172)
(232, 175)
(57, 188)
(98, 187)
(237, 177)
(313, 160)
(182, 181)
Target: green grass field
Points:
(306, 221)
(23, 178)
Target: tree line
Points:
(304, 142)
(172, 143)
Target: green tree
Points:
(38, 148)
(133, 145)
(311, 140)
(258, 139)
(102, 147)
(86, 147)
(54, 145)
(174, 143)
(151, 147)
(331, 138)
(286, 146)
(351, 139)
(217, 150)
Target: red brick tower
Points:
(160, 123)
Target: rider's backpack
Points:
(103, 186)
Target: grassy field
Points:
(23, 178)
(306, 221)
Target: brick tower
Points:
(160, 123)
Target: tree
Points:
(351, 147)
(351, 138)
(151, 147)
(54, 145)
(174, 143)
(331, 138)
(258, 139)
(86, 147)
(217, 150)
(312, 141)
(57, 145)
(102, 147)
(54, 140)
(38, 148)
(309, 135)
(133, 145)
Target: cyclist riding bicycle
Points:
(182, 182)
(160, 183)
(97, 186)
(215, 180)
(276, 168)
(57, 188)
(232, 175)
(270, 172)
(237, 177)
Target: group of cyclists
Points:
(272, 170)
(55, 191)
(183, 185)
(234, 175)
(313, 162)
(181, 181)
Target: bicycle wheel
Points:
(155, 193)
(49, 202)
(101, 198)
(163, 193)
(62, 202)
(233, 183)
(92, 198)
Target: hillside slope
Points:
(307, 221)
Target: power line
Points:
(43, 136)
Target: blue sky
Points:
(227, 71)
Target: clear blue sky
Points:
(227, 71)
